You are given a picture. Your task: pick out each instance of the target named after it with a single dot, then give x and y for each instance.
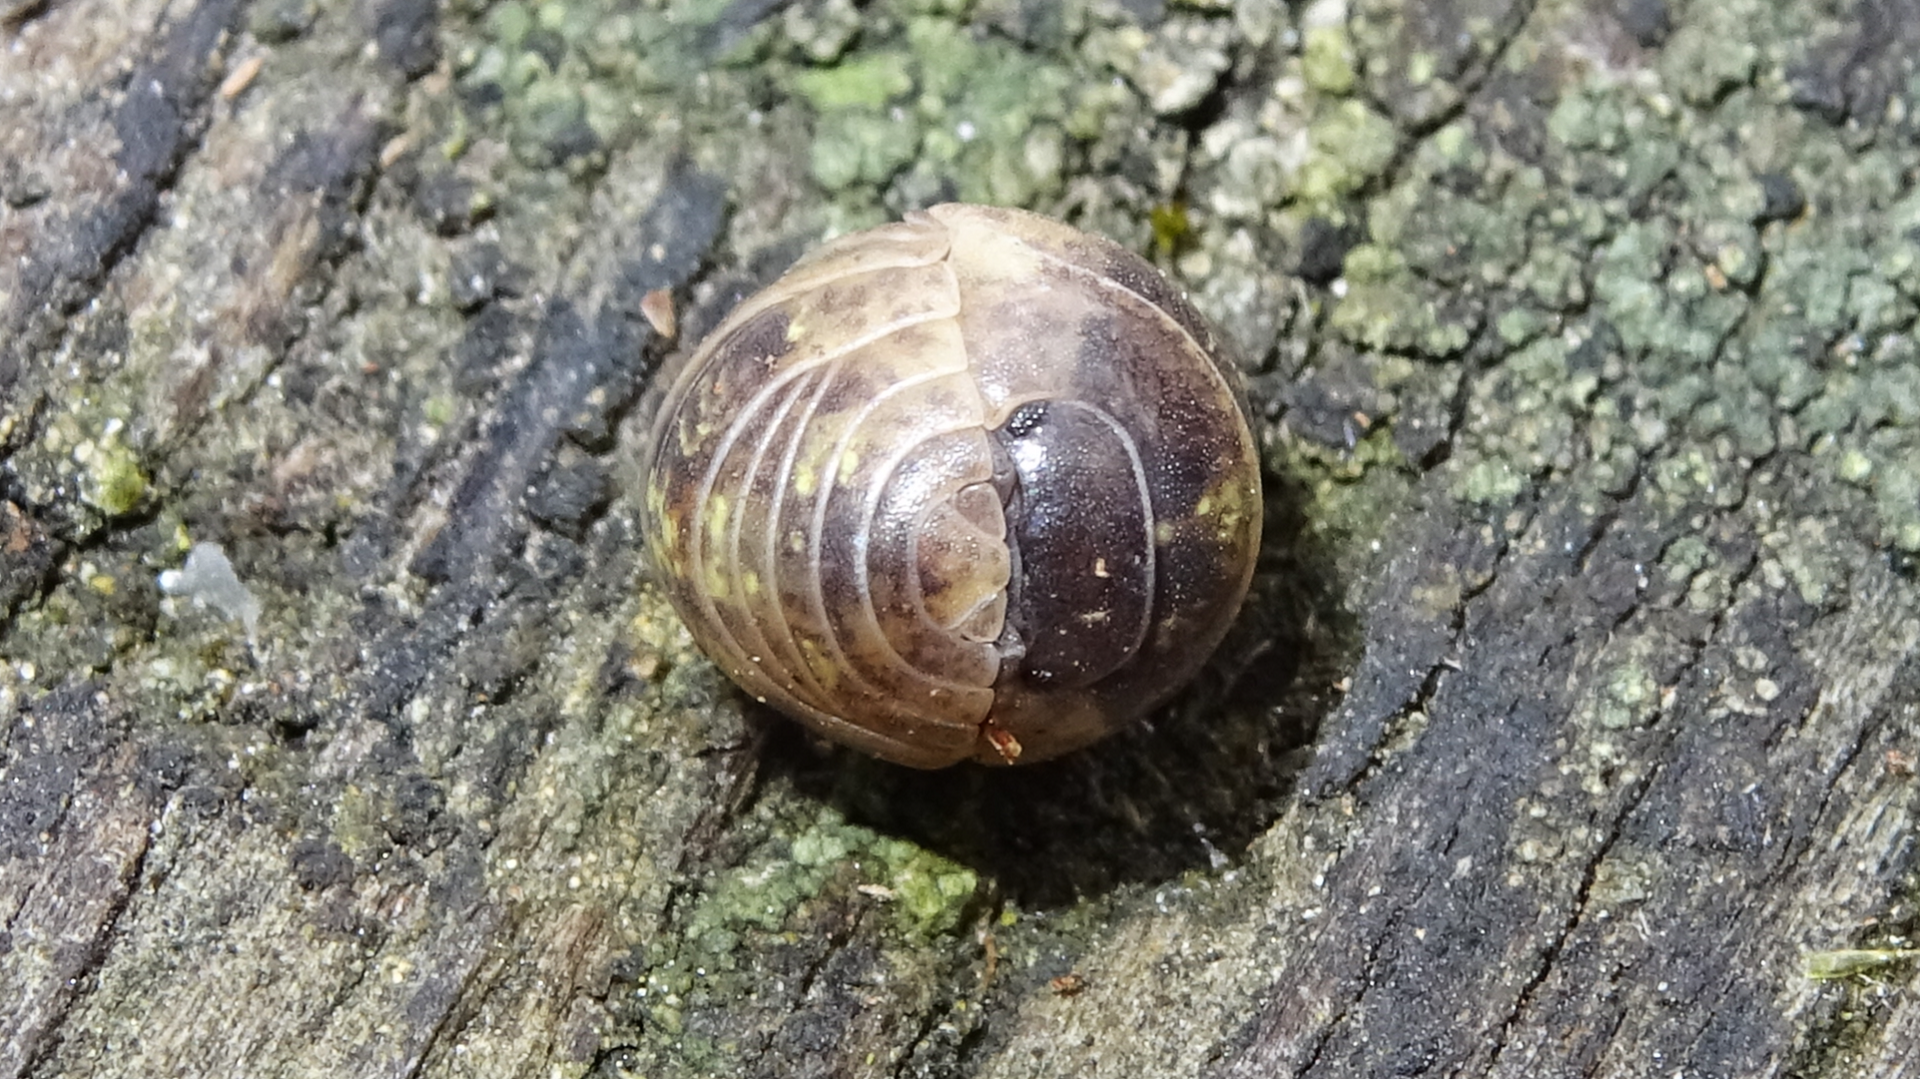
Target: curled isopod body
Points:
(971, 485)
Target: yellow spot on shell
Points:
(849, 462)
(1230, 505)
(750, 583)
(716, 514)
(824, 671)
(805, 482)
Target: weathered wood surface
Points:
(1575, 710)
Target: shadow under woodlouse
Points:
(1186, 790)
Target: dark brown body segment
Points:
(969, 485)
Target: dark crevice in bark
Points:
(1524, 999)
(484, 970)
(158, 120)
(77, 978)
(1358, 991)
(575, 354)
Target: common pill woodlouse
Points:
(973, 484)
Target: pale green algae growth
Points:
(112, 480)
(945, 104)
(923, 893)
(1350, 145)
(1637, 273)
(868, 82)
(1380, 312)
(1326, 59)
(1628, 699)
(1350, 491)
(764, 902)
(924, 104)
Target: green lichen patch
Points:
(1807, 555)
(934, 894)
(1326, 59)
(829, 860)
(906, 97)
(1386, 309)
(1637, 295)
(739, 956)
(1627, 697)
(946, 107)
(112, 480)
(871, 81)
(1350, 144)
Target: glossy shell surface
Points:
(970, 485)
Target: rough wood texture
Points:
(1571, 726)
